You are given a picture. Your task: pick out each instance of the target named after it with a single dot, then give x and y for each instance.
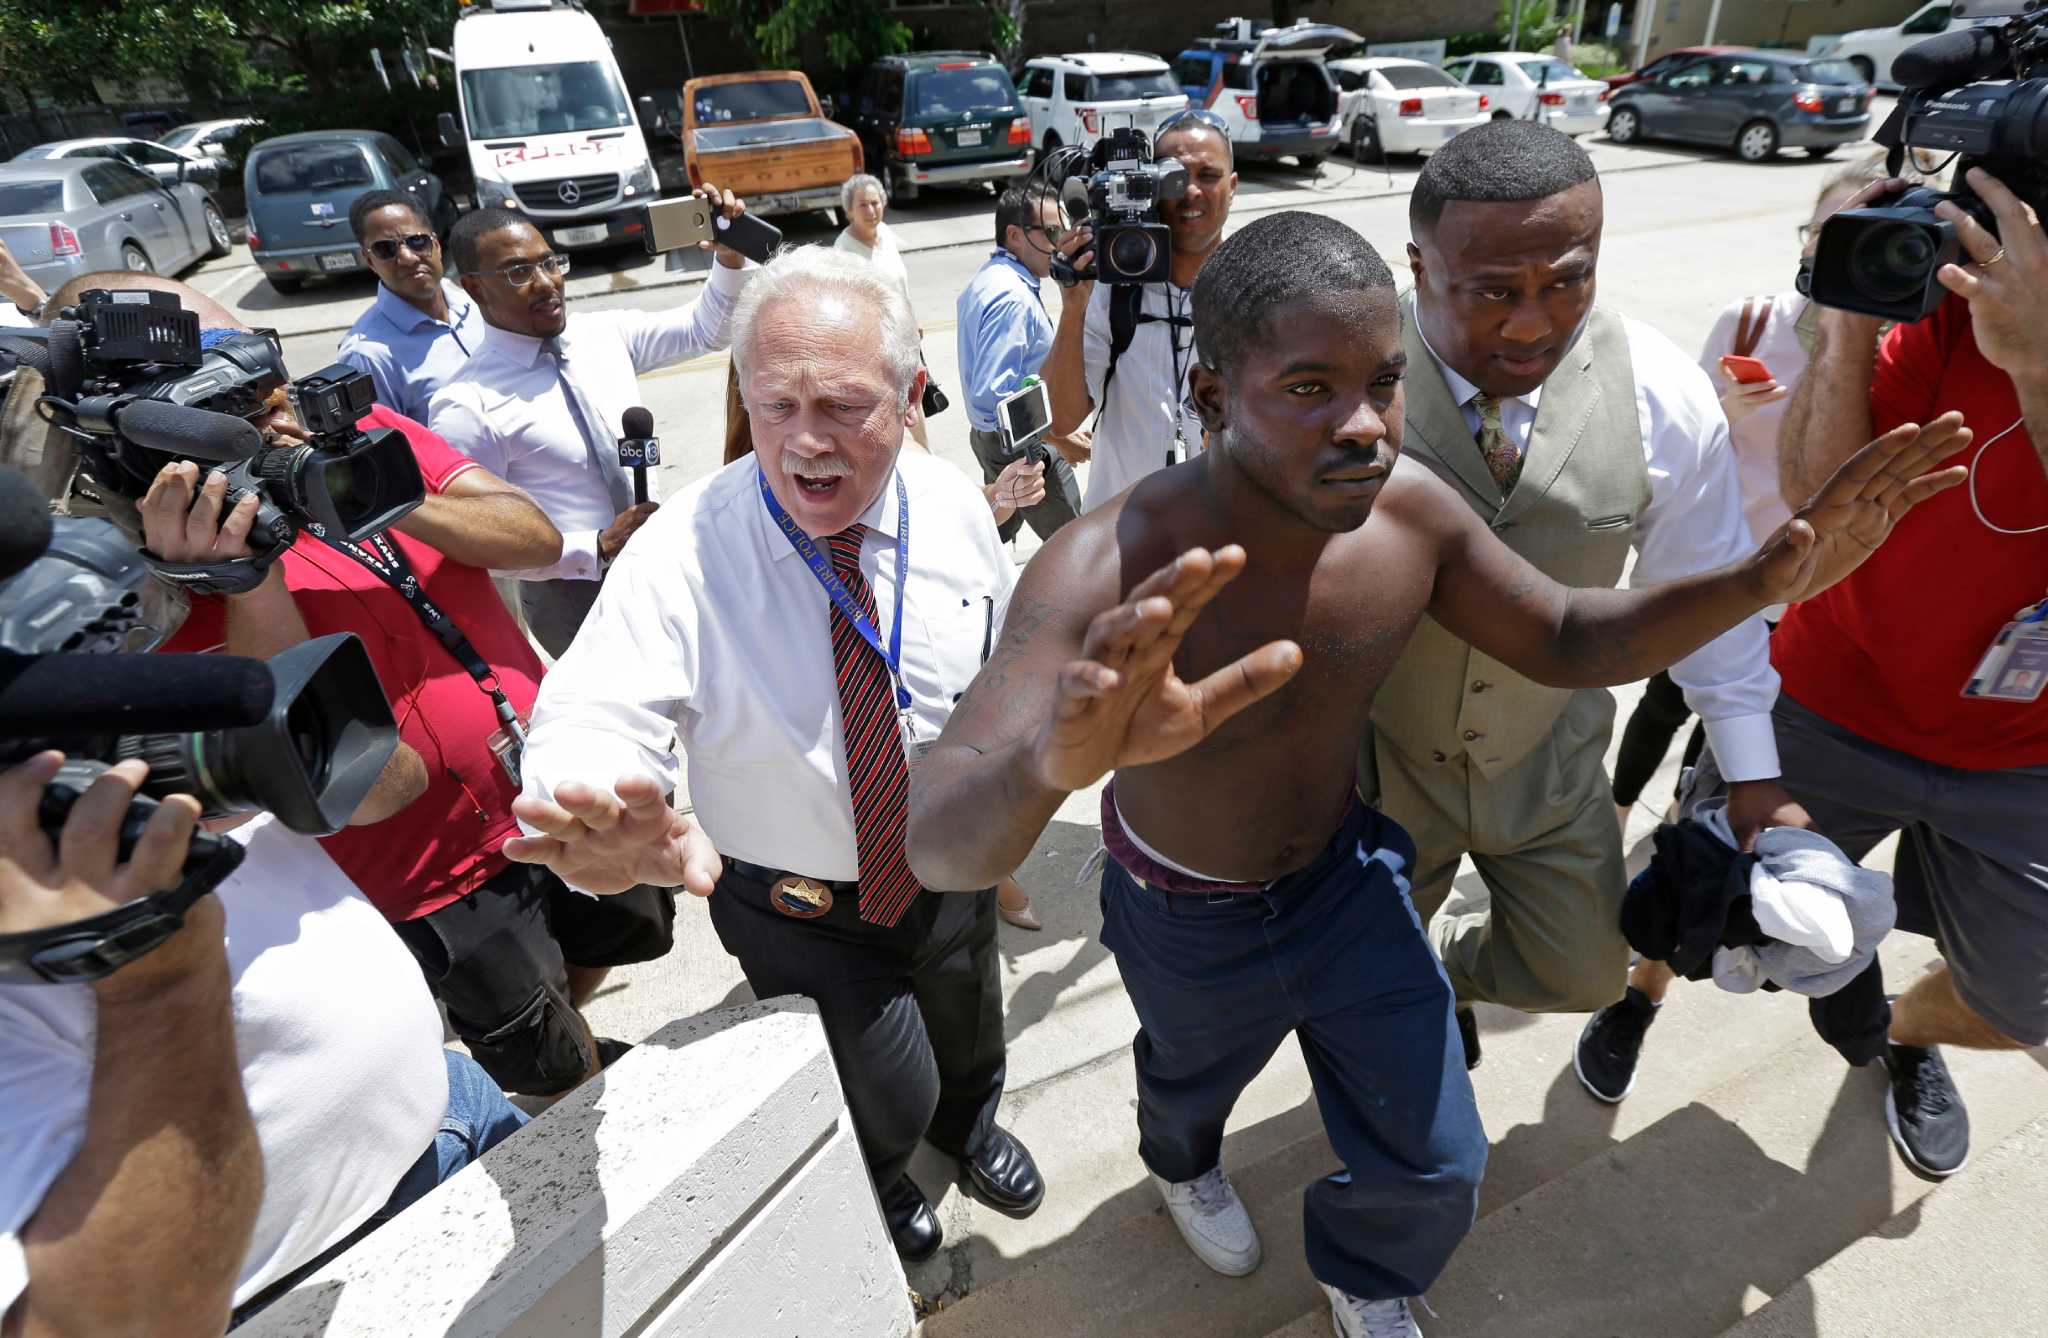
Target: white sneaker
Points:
(1354, 1317)
(1213, 1222)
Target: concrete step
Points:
(1964, 1259)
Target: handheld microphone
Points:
(45, 696)
(638, 448)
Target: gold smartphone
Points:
(675, 224)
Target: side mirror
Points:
(650, 117)
(184, 171)
(445, 130)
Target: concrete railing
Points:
(707, 1185)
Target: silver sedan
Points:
(65, 217)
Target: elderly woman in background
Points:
(864, 200)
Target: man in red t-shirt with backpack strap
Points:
(1912, 695)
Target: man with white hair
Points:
(777, 618)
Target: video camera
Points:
(303, 735)
(129, 374)
(1118, 186)
(1981, 93)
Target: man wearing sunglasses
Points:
(421, 328)
(540, 404)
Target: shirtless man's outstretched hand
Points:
(1121, 704)
(608, 842)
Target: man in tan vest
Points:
(1575, 434)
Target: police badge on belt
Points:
(800, 898)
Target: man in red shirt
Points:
(508, 948)
(1912, 696)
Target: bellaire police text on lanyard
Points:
(820, 563)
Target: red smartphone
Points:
(1746, 371)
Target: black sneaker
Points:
(1924, 1111)
(1606, 1055)
(1468, 1032)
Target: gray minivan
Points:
(300, 187)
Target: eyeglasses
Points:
(1199, 115)
(419, 243)
(1807, 232)
(518, 276)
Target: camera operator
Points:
(1146, 420)
(540, 404)
(1877, 734)
(224, 1112)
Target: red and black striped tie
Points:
(875, 768)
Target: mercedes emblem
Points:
(569, 192)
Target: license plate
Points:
(771, 204)
(1845, 105)
(968, 139)
(588, 236)
(1580, 103)
(1450, 131)
(346, 260)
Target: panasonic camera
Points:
(132, 377)
(303, 735)
(1979, 93)
(1118, 187)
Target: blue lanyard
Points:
(835, 589)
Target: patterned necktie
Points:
(876, 771)
(1503, 461)
(602, 446)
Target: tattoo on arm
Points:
(1024, 618)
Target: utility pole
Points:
(1645, 10)
(1515, 37)
(1713, 22)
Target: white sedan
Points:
(1532, 86)
(1394, 105)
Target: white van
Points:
(551, 130)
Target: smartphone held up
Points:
(680, 225)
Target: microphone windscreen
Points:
(1950, 58)
(179, 429)
(1074, 198)
(50, 696)
(24, 522)
(636, 422)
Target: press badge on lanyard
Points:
(2015, 668)
(820, 564)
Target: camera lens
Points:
(1132, 252)
(1891, 262)
(338, 477)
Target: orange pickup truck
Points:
(763, 136)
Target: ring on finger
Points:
(1987, 264)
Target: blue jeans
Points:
(478, 1118)
(1334, 955)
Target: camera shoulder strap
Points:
(1749, 328)
(1126, 301)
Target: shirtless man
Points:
(1249, 896)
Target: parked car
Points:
(763, 136)
(1531, 86)
(300, 187)
(161, 161)
(63, 217)
(941, 118)
(1077, 98)
(1665, 64)
(1269, 86)
(1872, 50)
(1755, 102)
(1395, 105)
(207, 137)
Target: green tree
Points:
(854, 32)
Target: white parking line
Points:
(232, 277)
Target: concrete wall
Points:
(705, 1186)
(1677, 23)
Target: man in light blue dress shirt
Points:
(422, 328)
(1003, 335)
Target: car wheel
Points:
(1757, 142)
(285, 283)
(1503, 115)
(1865, 67)
(1820, 150)
(1365, 140)
(1311, 163)
(135, 259)
(905, 191)
(219, 240)
(1625, 126)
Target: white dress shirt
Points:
(1693, 524)
(711, 628)
(1135, 434)
(507, 410)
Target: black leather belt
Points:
(761, 873)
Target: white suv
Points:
(1078, 98)
(1872, 50)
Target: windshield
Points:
(1829, 72)
(311, 167)
(1418, 76)
(183, 136)
(749, 101)
(514, 101)
(31, 197)
(984, 88)
(1129, 87)
(1549, 71)
(39, 151)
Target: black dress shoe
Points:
(1003, 1176)
(913, 1226)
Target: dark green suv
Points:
(941, 118)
